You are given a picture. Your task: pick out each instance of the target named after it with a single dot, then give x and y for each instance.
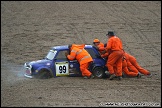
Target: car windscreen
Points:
(51, 54)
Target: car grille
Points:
(28, 69)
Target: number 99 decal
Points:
(62, 68)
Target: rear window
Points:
(91, 52)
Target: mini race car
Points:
(56, 64)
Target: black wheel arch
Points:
(44, 73)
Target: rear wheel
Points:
(98, 72)
(44, 74)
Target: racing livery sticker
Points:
(62, 68)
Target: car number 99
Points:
(62, 68)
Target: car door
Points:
(65, 67)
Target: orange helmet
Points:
(96, 41)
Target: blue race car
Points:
(56, 64)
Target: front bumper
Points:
(28, 76)
(28, 70)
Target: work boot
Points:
(138, 76)
(119, 77)
(112, 76)
(85, 77)
(92, 76)
(106, 72)
(149, 75)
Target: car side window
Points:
(61, 54)
(91, 52)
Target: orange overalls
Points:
(115, 55)
(101, 50)
(101, 47)
(83, 57)
(127, 70)
(127, 67)
(136, 65)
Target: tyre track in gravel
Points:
(70, 27)
(111, 13)
(123, 18)
(150, 45)
(140, 36)
(79, 37)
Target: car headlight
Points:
(26, 65)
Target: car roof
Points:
(64, 47)
(60, 47)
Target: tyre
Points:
(44, 74)
(98, 72)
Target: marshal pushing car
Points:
(56, 64)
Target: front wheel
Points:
(98, 72)
(44, 74)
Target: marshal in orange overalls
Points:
(100, 47)
(128, 68)
(115, 53)
(82, 56)
(136, 66)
